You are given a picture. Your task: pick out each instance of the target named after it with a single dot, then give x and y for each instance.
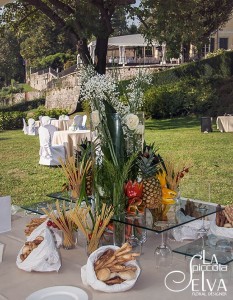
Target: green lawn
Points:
(210, 155)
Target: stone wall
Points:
(128, 72)
(21, 97)
(64, 92)
(39, 80)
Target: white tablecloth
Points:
(70, 139)
(62, 124)
(16, 284)
(59, 124)
(225, 123)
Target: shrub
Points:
(11, 120)
(53, 113)
(220, 65)
(182, 98)
(24, 106)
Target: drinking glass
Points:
(131, 237)
(163, 253)
(202, 231)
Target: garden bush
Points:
(185, 97)
(220, 65)
(24, 106)
(53, 113)
(11, 120)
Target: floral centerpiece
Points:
(118, 129)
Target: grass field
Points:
(210, 155)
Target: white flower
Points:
(95, 118)
(132, 121)
(140, 129)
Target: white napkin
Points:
(5, 214)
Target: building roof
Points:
(131, 40)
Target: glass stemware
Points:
(131, 237)
(202, 231)
(163, 253)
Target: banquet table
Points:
(62, 124)
(225, 123)
(70, 139)
(16, 284)
(59, 124)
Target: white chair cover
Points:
(49, 155)
(63, 117)
(45, 120)
(84, 122)
(25, 127)
(32, 127)
(78, 120)
(51, 128)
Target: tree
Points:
(41, 39)
(119, 22)
(180, 23)
(78, 20)
(11, 63)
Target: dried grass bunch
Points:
(61, 218)
(174, 173)
(75, 172)
(93, 232)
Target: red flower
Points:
(133, 189)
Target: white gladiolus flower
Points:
(132, 121)
(95, 118)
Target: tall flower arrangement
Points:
(118, 130)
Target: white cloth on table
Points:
(49, 155)
(225, 123)
(63, 117)
(70, 139)
(5, 214)
(62, 124)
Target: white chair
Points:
(84, 122)
(49, 155)
(63, 117)
(45, 120)
(78, 120)
(51, 128)
(32, 130)
(25, 127)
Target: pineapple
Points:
(149, 165)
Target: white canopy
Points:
(132, 40)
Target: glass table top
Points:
(222, 248)
(37, 208)
(174, 220)
(61, 196)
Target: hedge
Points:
(220, 65)
(24, 106)
(11, 120)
